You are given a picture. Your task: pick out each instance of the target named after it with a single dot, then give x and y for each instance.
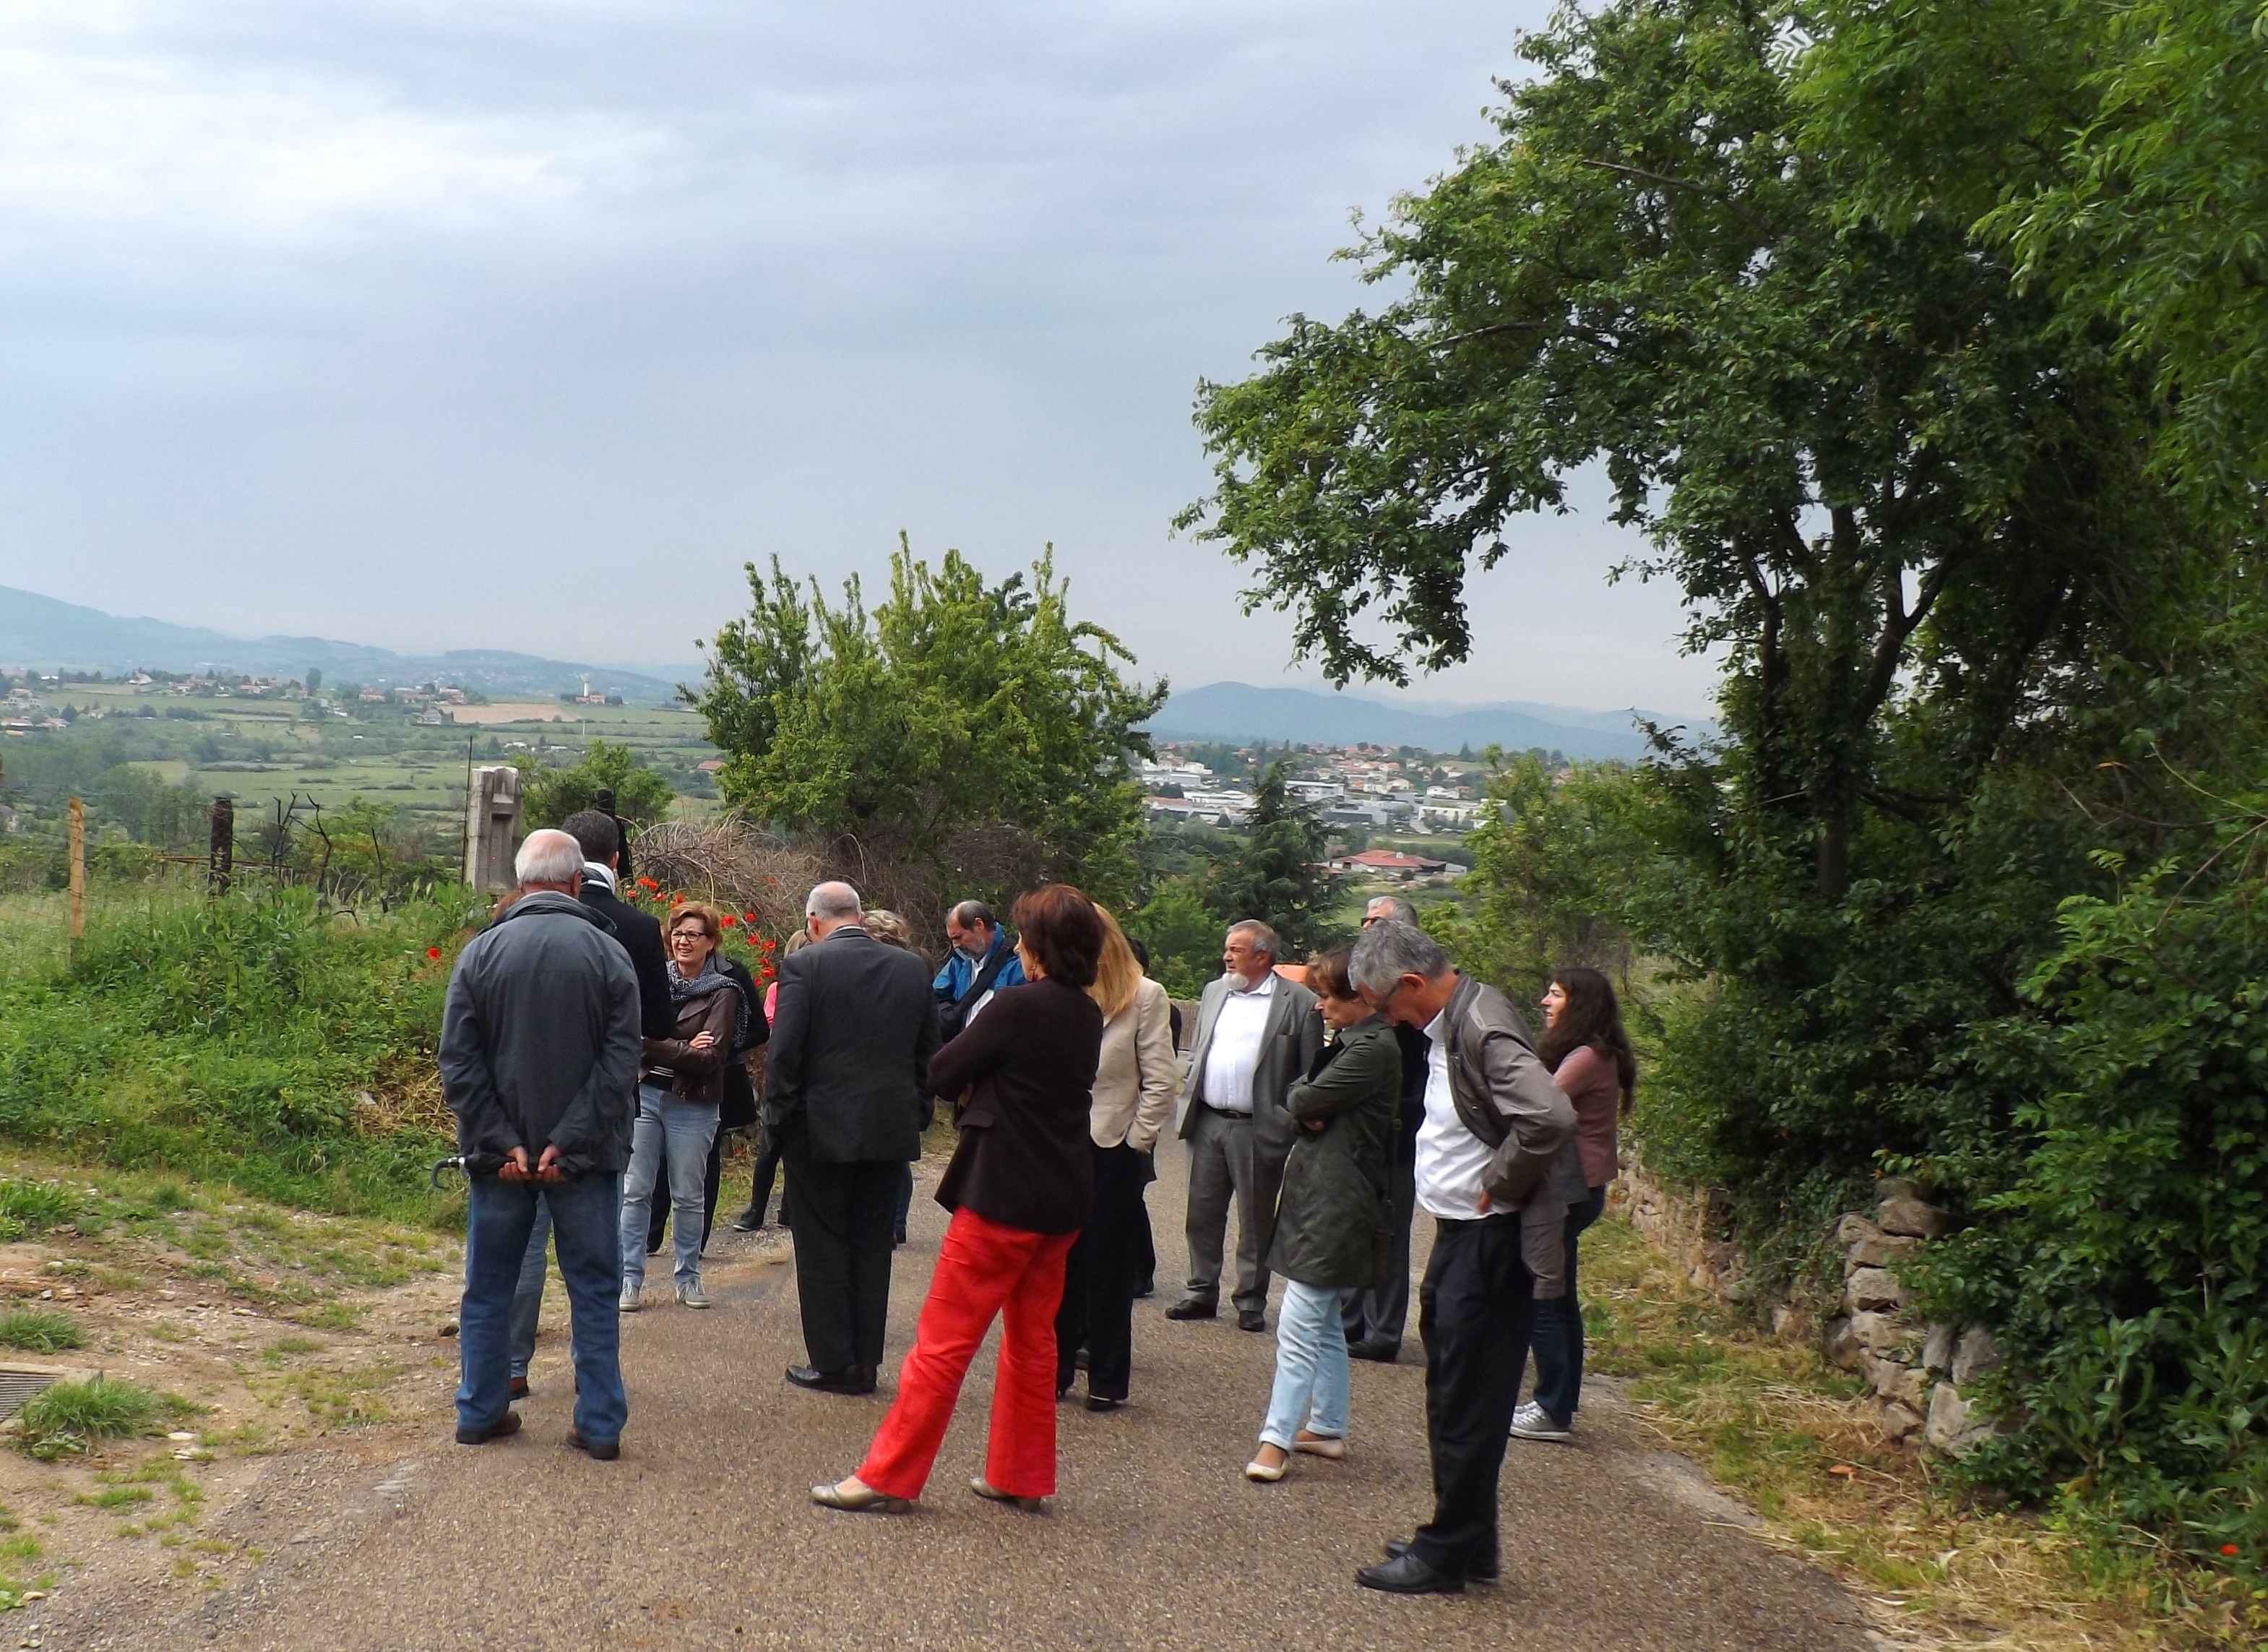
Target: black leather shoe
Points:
(1144, 1287)
(1370, 1348)
(1478, 1572)
(1097, 1402)
(1192, 1308)
(749, 1221)
(1251, 1319)
(507, 1424)
(848, 1381)
(1407, 1574)
(598, 1450)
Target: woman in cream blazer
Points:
(1136, 1084)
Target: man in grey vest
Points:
(1257, 1033)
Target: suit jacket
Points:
(641, 938)
(1028, 1062)
(1288, 1044)
(849, 1050)
(1137, 1076)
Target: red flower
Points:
(432, 952)
(767, 972)
(748, 918)
(2228, 1548)
(648, 883)
(727, 920)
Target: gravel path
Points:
(702, 1535)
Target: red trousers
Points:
(984, 1269)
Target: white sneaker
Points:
(692, 1295)
(1531, 1421)
(629, 1303)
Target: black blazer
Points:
(641, 938)
(850, 1043)
(1025, 1158)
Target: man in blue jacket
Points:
(539, 1061)
(981, 963)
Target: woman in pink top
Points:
(1591, 1060)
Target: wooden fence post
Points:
(75, 848)
(222, 863)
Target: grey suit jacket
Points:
(1288, 1046)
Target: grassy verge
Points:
(1780, 1428)
(255, 1041)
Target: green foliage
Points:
(1183, 932)
(226, 1039)
(1554, 861)
(641, 796)
(1275, 873)
(972, 728)
(67, 1419)
(40, 1330)
(34, 1207)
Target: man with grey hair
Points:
(1373, 1317)
(980, 964)
(1257, 1035)
(1495, 1168)
(539, 1059)
(847, 1089)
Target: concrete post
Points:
(493, 832)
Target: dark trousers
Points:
(841, 1220)
(767, 1164)
(1098, 1298)
(657, 1224)
(1559, 1327)
(1475, 1312)
(1145, 1249)
(1380, 1312)
(904, 1206)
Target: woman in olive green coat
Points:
(1331, 1229)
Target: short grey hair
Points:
(549, 856)
(970, 914)
(1390, 950)
(1398, 909)
(833, 900)
(1263, 938)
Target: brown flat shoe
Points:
(854, 1497)
(990, 1493)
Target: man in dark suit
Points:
(600, 837)
(847, 1087)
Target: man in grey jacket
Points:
(1257, 1035)
(1496, 1165)
(539, 1060)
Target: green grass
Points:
(70, 1417)
(40, 1330)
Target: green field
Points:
(260, 750)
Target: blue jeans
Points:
(586, 1224)
(1559, 1328)
(1311, 1368)
(527, 1297)
(683, 1130)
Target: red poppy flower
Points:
(432, 952)
(648, 883)
(2228, 1548)
(727, 920)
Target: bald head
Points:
(549, 860)
(829, 907)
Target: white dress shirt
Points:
(1233, 1058)
(1451, 1160)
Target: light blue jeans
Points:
(527, 1297)
(1311, 1368)
(683, 1130)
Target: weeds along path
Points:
(390, 1536)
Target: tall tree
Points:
(971, 727)
(1276, 874)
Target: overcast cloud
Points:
(434, 324)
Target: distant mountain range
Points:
(1240, 712)
(39, 631)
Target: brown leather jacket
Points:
(675, 1065)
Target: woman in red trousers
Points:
(1019, 1187)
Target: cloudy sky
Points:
(524, 323)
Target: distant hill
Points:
(41, 633)
(1239, 711)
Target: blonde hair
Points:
(1118, 972)
(701, 912)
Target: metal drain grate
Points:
(16, 1387)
